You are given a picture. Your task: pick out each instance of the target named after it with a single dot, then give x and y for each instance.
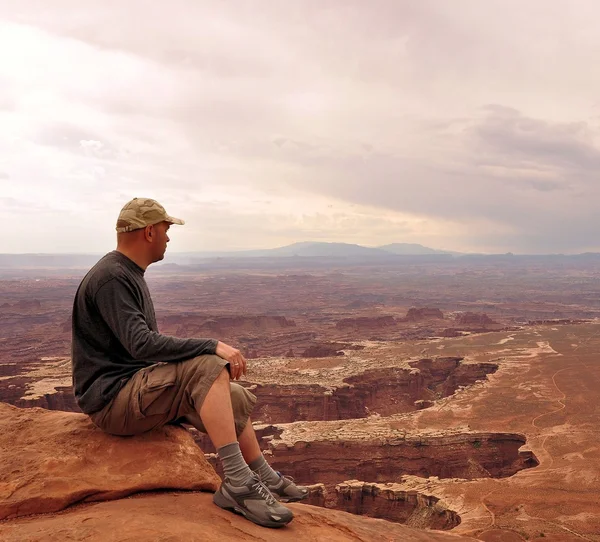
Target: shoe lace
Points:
(264, 492)
(290, 479)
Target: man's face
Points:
(160, 238)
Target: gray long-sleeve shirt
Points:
(115, 332)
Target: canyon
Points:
(445, 397)
(62, 476)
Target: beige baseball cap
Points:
(142, 212)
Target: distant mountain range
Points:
(321, 252)
(412, 249)
(299, 250)
(310, 249)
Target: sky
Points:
(468, 125)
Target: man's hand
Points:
(237, 362)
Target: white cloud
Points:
(274, 122)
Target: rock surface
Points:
(366, 322)
(50, 460)
(391, 501)
(356, 388)
(474, 319)
(193, 517)
(445, 454)
(415, 314)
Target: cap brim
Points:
(173, 220)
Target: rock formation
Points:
(391, 501)
(384, 391)
(362, 389)
(365, 322)
(60, 399)
(50, 461)
(22, 304)
(473, 319)
(444, 454)
(193, 517)
(324, 350)
(189, 325)
(416, 315)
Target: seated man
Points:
(129, 378)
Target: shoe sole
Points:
(226, 504)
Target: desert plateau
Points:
(421, 398)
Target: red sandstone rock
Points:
(23, 304)
(446, 454)
(190, 325)
(450, 332)
(384, 391)
(50, 460)
(473, 319)
(193, 517)
(412, 508)
(366, 322)
(415, 315)
(324, 350)
(62, 399)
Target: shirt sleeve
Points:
(120, 309)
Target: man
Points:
(129, 378)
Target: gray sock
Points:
(235, 468)
(264, 470)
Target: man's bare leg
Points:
(216, 412)
(241, 491)
(239, 457)
(250, 449)
(216, 415)
(248, 442)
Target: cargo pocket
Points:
(157, 391)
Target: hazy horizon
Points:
(170, 251)
(469, 127)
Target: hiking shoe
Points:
(286, 490)
(254, 501)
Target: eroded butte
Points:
(395, 393)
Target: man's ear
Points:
(148, 232)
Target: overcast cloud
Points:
(470, 125)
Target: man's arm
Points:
(120, 310)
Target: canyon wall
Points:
(463, 455)
(389, 501)
(384, 391)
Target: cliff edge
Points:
(60, 476)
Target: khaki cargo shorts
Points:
(166, 393)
